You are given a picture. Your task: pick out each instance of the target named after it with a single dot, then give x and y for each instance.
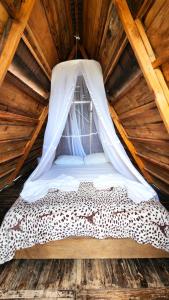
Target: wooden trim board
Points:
(83, 248)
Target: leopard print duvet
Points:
(87, 212)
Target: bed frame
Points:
(81, 248)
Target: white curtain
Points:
(63, 83)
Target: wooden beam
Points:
(157, 175)
(19, 73)
(72, 53)
(150, 141)
(143, 9)
(163, 83)
(129, 145)
(152, 57)
(14, 36)
(127, 86)
(11, 155)
(76, 17)
(3, 19)
(157, 5)
(24, 87)
(145, 40)
(69, 21)
(116, 59)
(137, 111)
(144, 60)
(7, 172)
(17, 118)
(30, 144)
(33, 45)
(51, 11)
(160, 60)
(156, 162)
(82, 51)
(13, 8)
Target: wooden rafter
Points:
(72, 53)
(76, 18)
(116, 59)
(128, 143)
(13, 8)
(69, 20)
(134, 79)
(142, 11)
(143, 58)
(160, 60)
(82, 51)
(34, 47)
(52, 17)
(17, 72)
(14, 36)
(17, 118)
(153, 59)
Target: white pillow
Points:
(69, 160)
(95, 158)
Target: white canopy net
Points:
(80, 136)
(79, 123)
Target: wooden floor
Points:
(143, 279)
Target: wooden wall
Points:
(21, 108)
(134, 102)
(138, 113)
(25, 89)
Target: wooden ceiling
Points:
(96, 22)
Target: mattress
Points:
(68, 178)
(82, 172)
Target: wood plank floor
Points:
(143, 279)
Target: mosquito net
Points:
(79, 123)
(80, 136)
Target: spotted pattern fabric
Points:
(87, 212)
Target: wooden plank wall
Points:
(19, 116)
(135, 106)
(140, 117)
(134, 102)
(24, 92)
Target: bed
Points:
(85, 223)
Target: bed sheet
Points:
(68, 178)
(82, 173)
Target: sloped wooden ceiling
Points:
(127, 38)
